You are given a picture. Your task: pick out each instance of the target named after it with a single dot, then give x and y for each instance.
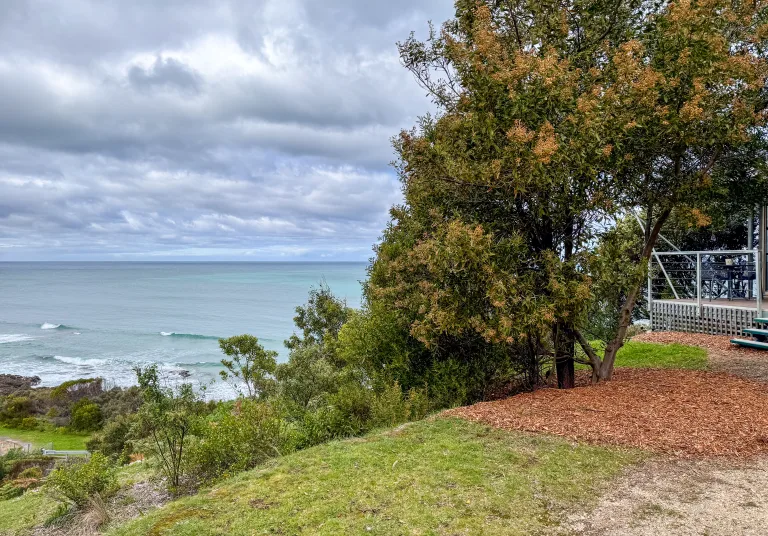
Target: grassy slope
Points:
(60, 441)
(443, 476)
(18, 516)
(650, 355)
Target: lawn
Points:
(636, 354)
(39, 439)
(440, 476)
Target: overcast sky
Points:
(200, 130)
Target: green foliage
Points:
(390, 407)
(306, 378)
(85, 416)
(78, 482)
(15, 409)
(166, 418)
(249, 365)
(114, 439)
(320, 320)
(77, 388)
(237, 437)
(10, 491)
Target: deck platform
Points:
(715, 317)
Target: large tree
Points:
(555, 118)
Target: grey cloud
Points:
(165, 72)
(219, 129)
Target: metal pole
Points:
(759, 271)
(698, 282)
(761, 252)
(650, 292)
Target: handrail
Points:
(711, 252)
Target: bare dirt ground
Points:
(712, 497)
(10, 444)
(681, 497)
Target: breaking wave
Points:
(79, 361)
(14, 337)
(187, 335)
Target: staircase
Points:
(759, 336)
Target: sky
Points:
(202, 130)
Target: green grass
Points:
(19, 516)
(441, 476)
(39, 439)
(651, 355)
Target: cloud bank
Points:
(241, 130)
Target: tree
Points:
(166, 417)
(320, 320)
(554, 121)
(250, 365)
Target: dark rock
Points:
(11, 383)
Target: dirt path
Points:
(682, 497)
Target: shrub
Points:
(249, 365)
(78, 482)
(85, 416)
(9, 491)
(166, 418)
(31, 472)
(391, 407)
(239, 437)
(114, 438)
(29, 423)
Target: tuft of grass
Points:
(439, 476)
(41, 438)
(635, 354)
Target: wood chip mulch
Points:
(679, 412)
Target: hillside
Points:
(440, 476)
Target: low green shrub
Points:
(9, 491)
(114, 438)
(75, 483)
(238, 437)
(85, 416)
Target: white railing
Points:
(705, 276)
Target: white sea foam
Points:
(79, 361)
(47, 325)
(14, 337)
(167, 333)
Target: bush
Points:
(238, 437)
(78, 482)
(114, 438)
(390, 407)
(85, 416)
(9, 491)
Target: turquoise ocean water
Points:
(62, 321)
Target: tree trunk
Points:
(625, 315)
(565, 343)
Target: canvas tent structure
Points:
(720, 292)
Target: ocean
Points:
(67, 320)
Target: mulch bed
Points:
(679, 412)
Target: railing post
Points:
(758, 282)
(698, 283)
(650, 292)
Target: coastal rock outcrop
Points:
(12, 383)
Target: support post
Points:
(698, 283)
(650, 292)
(761, 250)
